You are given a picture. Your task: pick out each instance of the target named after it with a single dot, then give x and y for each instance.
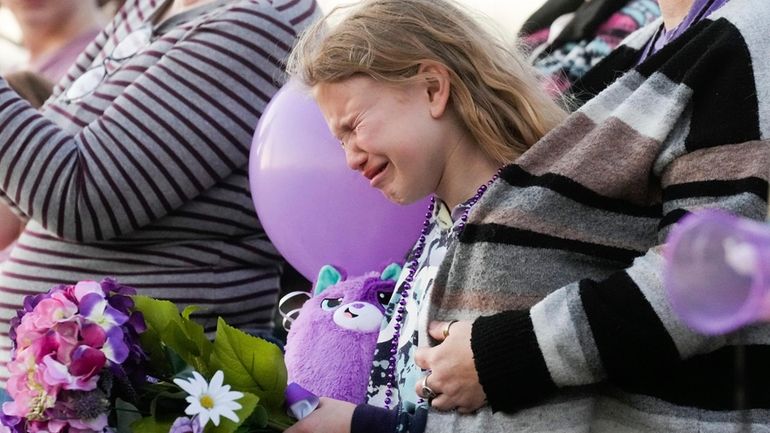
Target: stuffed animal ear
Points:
(391, 272)
(327, 276)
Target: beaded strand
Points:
(412, 266)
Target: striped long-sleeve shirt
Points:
(145, 178)
(570, 240)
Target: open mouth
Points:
(374, 172)
(349, 314)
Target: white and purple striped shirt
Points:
(145, 178)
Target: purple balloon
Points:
(717, 271)
(314, 208)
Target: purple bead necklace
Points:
(412, 266)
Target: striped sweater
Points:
(145, 179)
(569, 241)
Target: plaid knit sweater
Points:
(569, 241)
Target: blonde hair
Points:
(494, 92)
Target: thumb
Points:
(436, 330)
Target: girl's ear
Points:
(438, 86)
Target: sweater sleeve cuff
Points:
(509, 362)
(372, 419)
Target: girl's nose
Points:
(355, 157)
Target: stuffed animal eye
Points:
(384, 298)
(329, 304)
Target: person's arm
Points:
(335, 416)
(372, 419)
(35, 89)
(184, 124)
(11, 226)
(622, 329)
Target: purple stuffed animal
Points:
(330, 346)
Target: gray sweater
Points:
(569, 240)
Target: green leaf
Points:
(189, 310)
(152, 345)
(248, 403)
(165, 405)
(280, 420)
(151, 425)
(259, 416)
(157, 314)
(250, 364)
(175, 337)
(255, 422)
(166, 326)
(194, 353)
(126, 414)
(178, 365)
(197, 335)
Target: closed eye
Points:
(330, 304)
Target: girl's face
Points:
(391, 134)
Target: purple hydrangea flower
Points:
(115, 347)
(96, 309)
(10, 424)
(184, 424)
(102, 326)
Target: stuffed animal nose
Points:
(358, 305)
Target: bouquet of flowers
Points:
(95, 357)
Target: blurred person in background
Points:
(55, 32)
(31, 87)
(11, 53)
(110, 7)
(566, 38)
(35, 89)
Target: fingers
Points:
(439, 331)
(429, 381)
(445, 402)
(421, 356)
(436, 330)
(453, 376)
(448, 397)
(466, 410)
(301, 426)
(419, 387)
(442, 403)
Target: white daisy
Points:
(210, 400)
